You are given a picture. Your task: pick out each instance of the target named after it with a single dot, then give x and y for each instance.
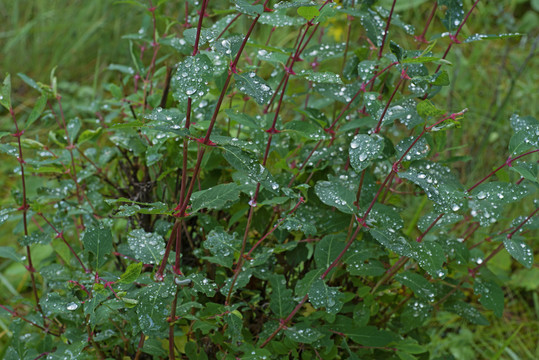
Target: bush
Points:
(255, 189)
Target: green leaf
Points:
(320, 77)
(466, 311)
(223, 246)
(374, 26)
(431, 257)
(393, 240)
(420, 60)
(302, 333)
(304, 285)
(73, 128)
(327, 250)
(37, 110)
(245, 7)
(420, 149)
(234, 326)
(131, 273)
(489, 199)
(191, 78)
(146, 247)
(89, 135)
(454, 13)
(334, 194)
(396, 50)
(254, 86)
(360, 259)
(215, 198)
(491, 296)
(5, 92)
(243, 119)
(519, 250)
(99, 242)
(308, 12)
(480, 37)
(248, 164)
(42, 238)
(306, 129)
(526, 170)
(447, 219)
(440, 185)
(371, 336)
(418, 284)
(202, 284)
(280, 296)
(8, 252)
(426, 109)
(206, 35)
(241, 281)
(153, 307)
(321, 295)
(364, 149)
(524, 140)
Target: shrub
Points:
(255, 189)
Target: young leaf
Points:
(308, 12)
(131, 273)
(99, 242)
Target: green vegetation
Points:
(212, 179)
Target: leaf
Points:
(254, 86)
(42, 238)
(489, 199)
(393, 240)
(131, 273)
(241, 281)
(454, 13)
(396, 50)
(466, 311)
(418, 151)
(89, 135)
(278, 18)
(5, 92)
(153, 307)
(334, 194)
(99, 242)
(37, 110)
(526, 170)
(426, 109)
(360, 259)
(421, 60)
(415, 314)
(73, 128)
(325, 51)
(306, 130)
(418, 284)
(206, 35)
(321, 295)
(280, 296)
(302, 333)
(447, 219)
(191, 78)
(320, 77)
(304, 285)
(245, 7)
(363, 149)
(202, 284)
(327, 250)
(308, 12)
(519, 123)
(491, 296)
(440, 185)
(431, 257)
(243, 119)
(147, 247)
(215, 198)
(480, 37)
(248, 164)
(524, 140)
(519, 250)
(223, 246)
(371, 336)
(374, 26)
(8, 252)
